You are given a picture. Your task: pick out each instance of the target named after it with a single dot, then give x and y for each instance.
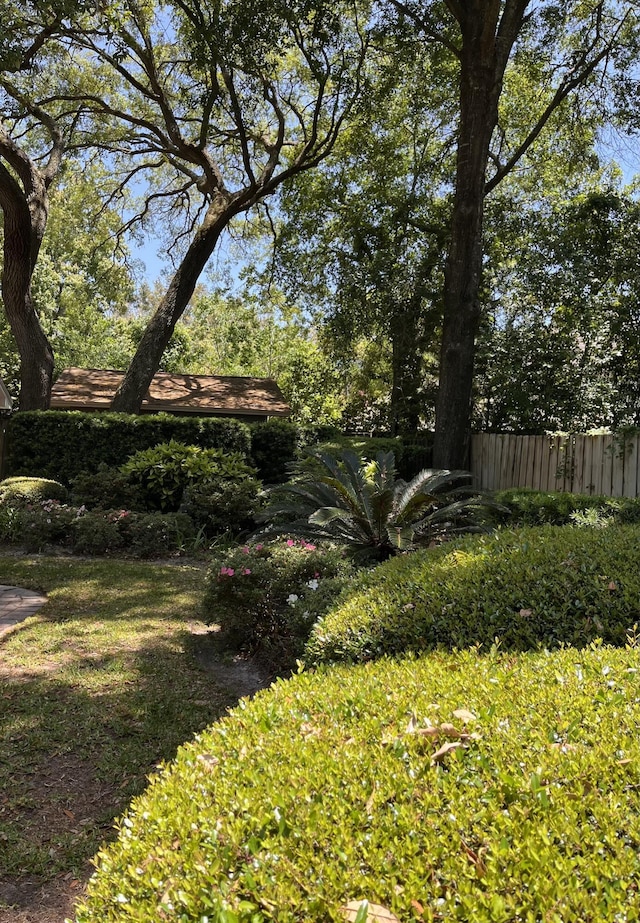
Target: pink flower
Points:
(259, 546)
(245, 550)
(227, 571)
(290, 543)
(246, 571)
(308, 547)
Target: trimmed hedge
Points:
(526, 588)
(328, 788)
(31, 490)
(273, 448)
(412, 455)
(59, 444)
(526, 507)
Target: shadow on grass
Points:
(96, 691)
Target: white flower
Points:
(292, 599)
(313, 584)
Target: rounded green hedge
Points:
(329, 789)
(526, 588)
(31, 490)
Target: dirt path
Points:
(34, 900)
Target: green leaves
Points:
(315, 801)
(370, 509)
(526, 588)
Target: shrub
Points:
(61, 443)
(163, 473)
(526, 507)
(106, 489)
(526, 588)
(413, 453)
(328, 788)
(369, 509)
(11, 524)
(38, 526)
(150, 535)
(97, 533)
(314, 433)
(273, 448)
(46, 523)
(31, 490)
(267, 596)
(223, 505)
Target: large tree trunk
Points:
(157, 334)
(485, 51)
(23, 232)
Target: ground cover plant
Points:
(96, 689)
(526, 588)
(458, 786)
(525, 507)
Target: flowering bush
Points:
(48, 522)
(266, 597)
(35, 526)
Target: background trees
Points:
(214, 105)
(426, 167)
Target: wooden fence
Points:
(607, 465)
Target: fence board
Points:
(617, 475)
(540, 465)
(508, 462)
(597, 463)
(579, 464)
(630, 468)
(563, 472)
(587, 466)
(577, 482)
(607, 466)
(552, 464)
(491, 462)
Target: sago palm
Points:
(370, 509)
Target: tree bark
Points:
(146, 361)
(24, 226)
(486, 46)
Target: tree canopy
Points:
(449, 245)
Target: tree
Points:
(562, 46)
(218, 104)
(559, 349)
(362, 237)
(82, 281)
(32, 142)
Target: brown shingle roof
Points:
(93, 389)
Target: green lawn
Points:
(96, 690)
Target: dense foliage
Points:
(30, 490)
(165, 473)
(451, 787)
(61, 443)
(273, 448)
(523, 507)
(40, 526)
(265, 597)
(369, 509)
(522, 589)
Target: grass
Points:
(96, 690)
